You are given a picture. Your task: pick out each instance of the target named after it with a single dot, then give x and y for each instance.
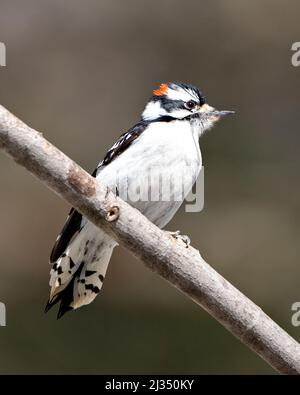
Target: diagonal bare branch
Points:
(182, 267)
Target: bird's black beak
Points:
(217, 113)
(208, 112)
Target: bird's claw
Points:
(184, 238)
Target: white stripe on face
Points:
(153, 110)
(181, 94)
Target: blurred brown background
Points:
(80, 72)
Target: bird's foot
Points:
(177, 236)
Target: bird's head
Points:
(179, 101)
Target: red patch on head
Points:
(162, 90)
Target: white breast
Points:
(158, 170)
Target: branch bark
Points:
(183, 267)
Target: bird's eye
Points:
(190, 104)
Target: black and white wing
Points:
(74, 222)
(124, 142)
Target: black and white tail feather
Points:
(78, 273)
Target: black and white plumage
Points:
(164, 143)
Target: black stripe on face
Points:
(192, 90)
(171, 105)
(188, 88)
